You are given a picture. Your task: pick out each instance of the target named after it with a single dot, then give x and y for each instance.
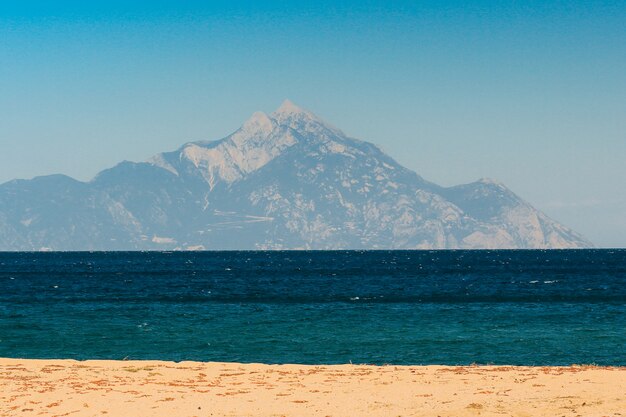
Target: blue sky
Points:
(530, 93)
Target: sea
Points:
(517, 307)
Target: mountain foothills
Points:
(286, 180)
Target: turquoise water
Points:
(398, 307)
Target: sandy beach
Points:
(155, 388)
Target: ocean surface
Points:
(377, 307)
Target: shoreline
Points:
(42, 387)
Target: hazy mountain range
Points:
(286, 180)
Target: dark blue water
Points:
(399, 307)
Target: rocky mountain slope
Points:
(286, 180)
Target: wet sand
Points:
(154, 388)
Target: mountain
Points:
(286, 180)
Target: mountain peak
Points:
(490, 181)
(259, 121)
(288, 107)
(294, 116)
(288, 112)
(249, 191)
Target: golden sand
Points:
(153, 388)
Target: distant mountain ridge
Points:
(286, 180)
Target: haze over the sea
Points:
(532, 94)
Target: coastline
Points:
(32, 387)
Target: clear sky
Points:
(532, 93)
